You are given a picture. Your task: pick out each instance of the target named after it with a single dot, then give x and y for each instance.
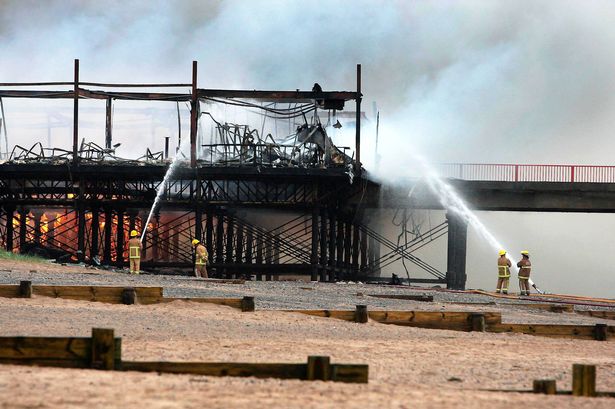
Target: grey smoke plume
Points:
(474, 81)
(524, 81)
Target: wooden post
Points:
(107, 238)
(247, 304)
(103, 349)
(10, 215)
(94, 228)
(477, 322)
(583, 380)
(129, 296)
(545, 386)
(361, 314)
(119, 244)
(318, 368)
(314, 252)
(601, 332)
(25, 289)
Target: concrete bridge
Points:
(503, 187)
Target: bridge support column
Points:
(456, 259)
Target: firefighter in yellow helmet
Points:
(200, 262)
(525, 267)
(134, 252)
(503, 273)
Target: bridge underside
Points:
(85, 213)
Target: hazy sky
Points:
(463, 81)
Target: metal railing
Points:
(528, 173)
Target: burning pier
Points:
(286, 201)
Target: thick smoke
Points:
(525, 81)
(474, 81)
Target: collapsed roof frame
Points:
(326, 99)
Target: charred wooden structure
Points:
(83, 203)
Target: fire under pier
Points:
(264, 204)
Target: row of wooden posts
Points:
(583, 383)
(104, 351)
(451, 320)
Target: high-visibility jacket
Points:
(525, 270)
(201, 259)
(135, 252)
(503, 272)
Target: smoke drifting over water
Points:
(474, 81)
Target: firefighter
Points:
(525, 267)
(503, 273)
(134, 252)
(200, 262)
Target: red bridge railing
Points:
(528, 173)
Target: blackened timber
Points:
(331, 262)
(10, 214)
(259, 259)
(219, 238)
(209, 229)
(108, 233)
(456, 256)
(363, 249)
(80, 233)
(347, 246)
(23, 224)
(314, 252)
(340, 247)
(119, 244)
(355, 249)
(95, 232)
(239, 243)
(323, 244)
(229, 244)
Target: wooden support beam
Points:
(119, 244)
(601, 332)
(129, 296)
(103, 349)
(323, 245)
(95, 231)
(23, 224)
(477, 322)
(25, 289)
(545, 386)
(583, 380)
(332, 245)
(247, 304)
(10, 215)
(107, 236)
(361, 314)
(314, 242)
(318, 368)
(409, 297)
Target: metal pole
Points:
(76, 113)
(358, 120)
(108, 124)
(193, 117)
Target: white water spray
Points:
(161, 187)
(451, 200)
